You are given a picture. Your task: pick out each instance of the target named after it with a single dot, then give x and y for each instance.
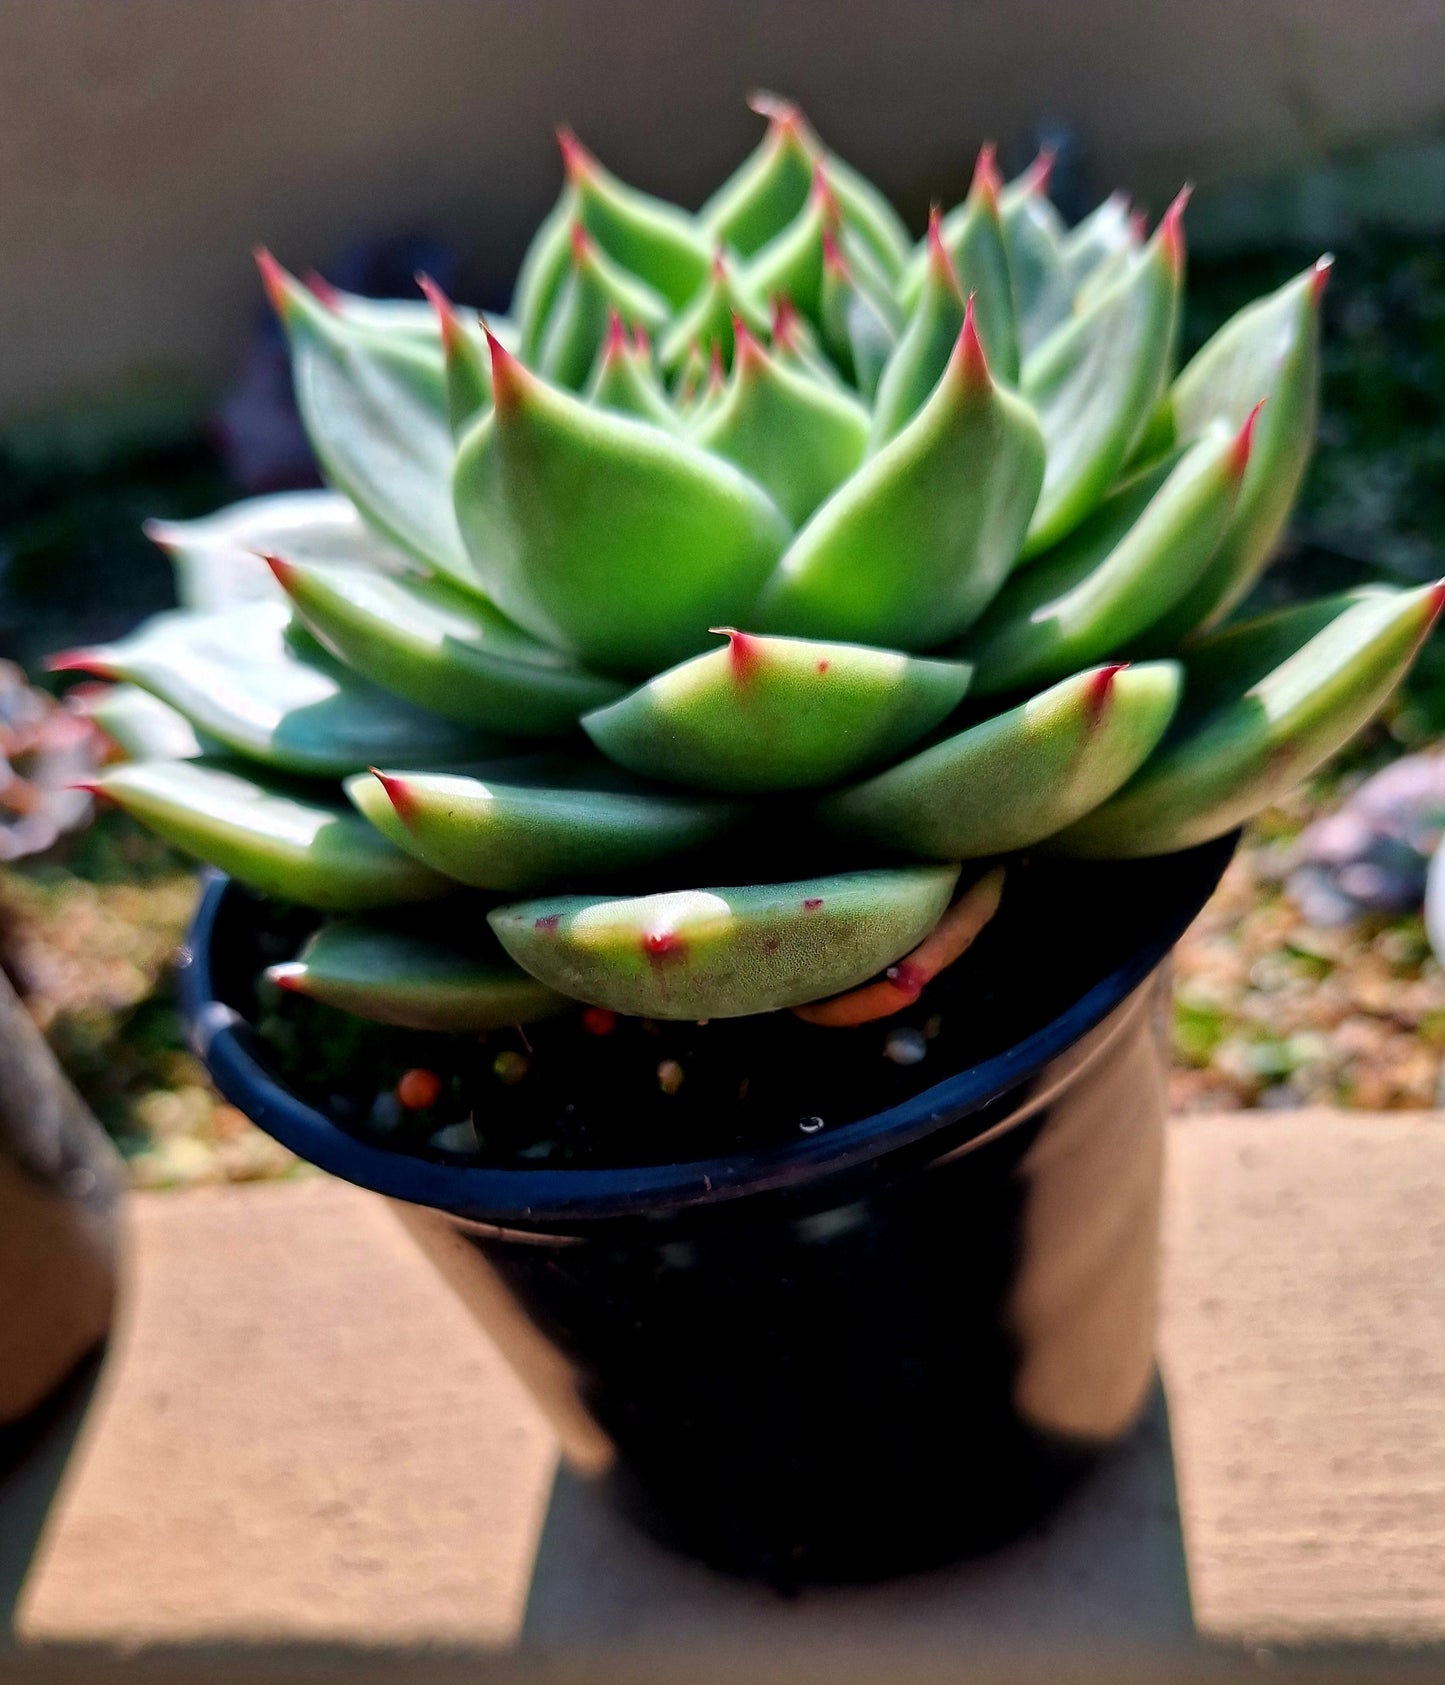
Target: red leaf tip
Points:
(398, 791)
(833, 258)
(287, 977)
(940, 259)
(282, 570)
(322, 290)
(1320, 277)
(747, 348)
(1244, 442)
(1171, 229)
(717, 374)
(1101, 687)
(969, 362)
(785, 322)
(744, 651)
(577, 161)
(80, 661)
(1437, 598)
(508, 375)
(781, 113)
(824, 194)
(581, 241)
(615, 346)
(278, 282)
(1041, 172)
(987, 183)
(446, 312)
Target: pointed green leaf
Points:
(535, 821)
(790, 266)
(605, 535)
(280, 839)
(724, 953)
(1269, 350)
(140, 725)
(770, 186)
(218, 559)
(657, 241)
(1034, 239)
(795, 344)
(1254, 746)
(972, 235)
(1095, 383)
(457, 982)
(594, 289)
(868, 213)
(708, 319)
(375, 410)
(912, 548)
(624, 381)
(777, 714)
(413, 317)
(239, 679)
(922, 353)
(1015, 779)
(544, 268)
(467, 365)
(443, 649)
(796, 437)
(1100, 241)
(860, 327)
(1113, 577)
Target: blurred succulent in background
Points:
(759, 547)
(45, 752)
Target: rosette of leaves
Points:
(679, 644)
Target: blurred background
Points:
(147, 145)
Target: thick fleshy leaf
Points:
(375, 410)
(790, 265)
(595, 289)
(624, 381)
(443, 649)
(218, 559)
(412, 317)
(604, 535)
(777, 714)
(468, 366)
(708, 319)
(868, 214)
(459, 984)
(1113, 577)
(722, 953)
(238, 678)
(280, 839)
(1100, 241)
(657, 241)
(795, 344)
(910, 550)
(972, 235)
(1275, 728)
(1015, 779)
(921, 354)
(527, 823)
(141, 726)
(860, 326)
(1269, 350)
(770, 186)
(544, 268)
(1095, 382)
(1034, 238)
(798, 438)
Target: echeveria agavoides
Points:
(973, 541)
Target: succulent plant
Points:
(694, 628)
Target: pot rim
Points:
(224, 1042)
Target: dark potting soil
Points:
(589, 1090)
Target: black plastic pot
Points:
(863, 1351)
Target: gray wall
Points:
(146, 144)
